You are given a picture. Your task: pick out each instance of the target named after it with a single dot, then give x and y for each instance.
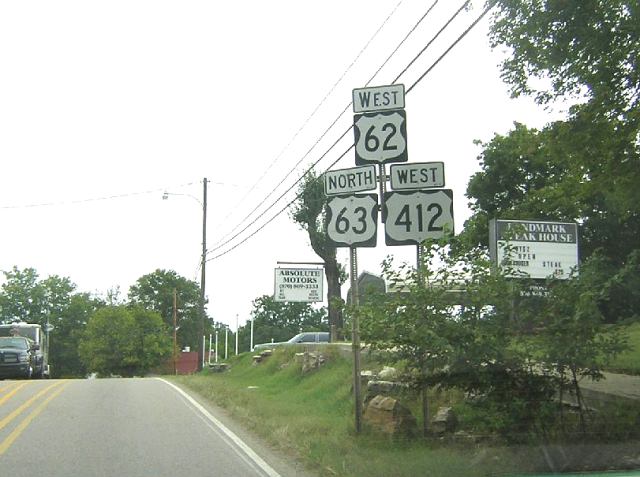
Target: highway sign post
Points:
(349, 181)
(381, 137)
(378, 98)
(352, 220)
(417, 175)
(415, 216)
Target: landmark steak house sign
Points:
(298, 284)
(534, 248)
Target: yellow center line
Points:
(5, 387)
(25, 405)
(11, 393)
(4, 445)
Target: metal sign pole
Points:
(382, 177)
(356, 338)
(419, 260)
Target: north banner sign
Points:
(298, 284)
(348, 181)
(534, 249)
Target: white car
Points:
(306, 338)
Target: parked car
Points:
(17, 357)
(306, 338)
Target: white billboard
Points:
(298, 284)
(534, 249)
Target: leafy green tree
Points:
(22, 297)
(125, 341)
(26, 297)
(582, 48)
(587, 167)
(309, 212)
(65, 337)
(154, 291)
(514, 352)
(279, 321)
(573, 342)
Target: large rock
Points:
(388, 416)
(445, 421)
(311, 361)
(387, 388)
(388, 374)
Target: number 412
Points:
(404, 218)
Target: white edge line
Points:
(266, 468)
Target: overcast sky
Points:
(106, 105)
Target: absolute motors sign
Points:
(298, 284)
(534, 249)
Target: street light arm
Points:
(166, 195)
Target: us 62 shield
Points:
(352, 220)
(380, 137)
(412, 217)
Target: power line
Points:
(317, 108)
(477, 20)
(223, 240)
(92, 199)
(447, 51)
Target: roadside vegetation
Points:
(628, 361)
(310, 417)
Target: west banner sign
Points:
(298, 284)
(534, 249)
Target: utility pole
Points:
(175, 330)
(203, 263)
(237, 334)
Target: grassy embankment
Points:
(629, 361)
(311, 417)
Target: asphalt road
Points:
(122, 427)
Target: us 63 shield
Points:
(380, 137)
(352, 220)
(410, 218)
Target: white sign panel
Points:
(353, 220)
(380, 137)
(417, 175)
(413, 217)
(535, 249)
(348, 181)
(378, 98)
(298, 284)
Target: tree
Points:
(587, 49)
(514, 353)
(22, 297)
(65, 337)
(279, 321)
(125, 341)
(154, 291)
(309, 213)
(584, 50)
(26, 297)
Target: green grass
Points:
(311, 417)
(629, 361)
